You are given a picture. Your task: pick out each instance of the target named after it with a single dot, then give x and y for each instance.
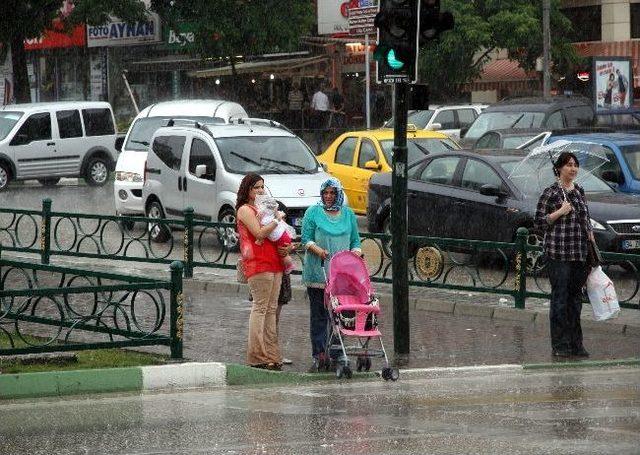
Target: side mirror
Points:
(435, 126)
(201, 170)
(119, 143)
(491, 190)
(613, 177)
(20, 139)
(463, 131)
(372, 166)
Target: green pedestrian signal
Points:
(393, 61)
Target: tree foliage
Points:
(483, 26)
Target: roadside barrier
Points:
(514, 269)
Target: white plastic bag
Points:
(602, 295)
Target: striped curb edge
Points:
(215, 374)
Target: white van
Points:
(201, 167)
(48, 141)
(127, 188)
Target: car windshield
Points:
(631, 155)
(499, 120)
(418, 148)
(142, 130)
(417, 118)
(531, 181)
(8, 120)
(512, 142)
(266, 155)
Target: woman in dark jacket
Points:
(563, 216)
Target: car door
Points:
(33, 148)
(200, 190)
(367, 152)
(431, 196)
(487, 217)
(71, 144)
(169, 149)
(342, 166)
(447, 120)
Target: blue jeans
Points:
(318, 321)
(567, 279)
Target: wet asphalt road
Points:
(578, 411)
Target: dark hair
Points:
(245, 187)
(562, 160)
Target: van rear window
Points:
(98, 122)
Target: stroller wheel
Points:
(344, 370)
(390, 374)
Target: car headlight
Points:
(128, 176)
(597, 226)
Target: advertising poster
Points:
(613, 83)
(98, 74)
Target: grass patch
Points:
(89, 359)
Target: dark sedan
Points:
(467, 195)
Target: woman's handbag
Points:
(240, 276)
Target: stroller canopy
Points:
(348, 275)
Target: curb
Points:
(194, 375)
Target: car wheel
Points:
(5, 176)
(97, 172)
(229, 237)
(159, 233)
(534, 260)
(48, 182)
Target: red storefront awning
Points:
(505, 74)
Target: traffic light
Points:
(432, 21)
(397, 48)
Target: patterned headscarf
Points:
(339, 201)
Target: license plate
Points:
(630, 244)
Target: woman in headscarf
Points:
(327, 228)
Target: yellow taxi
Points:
(355, 156)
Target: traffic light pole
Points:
(399, 245)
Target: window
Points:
(201, 154)
(555, 120)
(586, 21)
(367, 153)
(488, 141)
(440, 170)
(69, 124)
(579, 116)
(477, 173)
(635, 20)
(344, 154)
(446, 119)
(169, 150)
(98, 122)
(466, 117)
(36, 128)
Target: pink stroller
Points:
(354, 312)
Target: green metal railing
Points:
(45, 308)
(511, 269)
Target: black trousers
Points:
(567, 279)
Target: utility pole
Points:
(546, 44)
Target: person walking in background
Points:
(327, 228)
(562, 215)
(263, 268)
(320, 109)
(623, 84)
(337, 106)
(295, 106)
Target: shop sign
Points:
(118, 33)
(613, 83)
(183, 37)
(99, 75)
(56, 38)
(361, 20)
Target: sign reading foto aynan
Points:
(117, 33)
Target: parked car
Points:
(623, 152)
(48, 141)
(201, 167)
(553, 113)
(446, 119)
(355, 156)
(127, 188)
(508, 138)
(468, 195)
